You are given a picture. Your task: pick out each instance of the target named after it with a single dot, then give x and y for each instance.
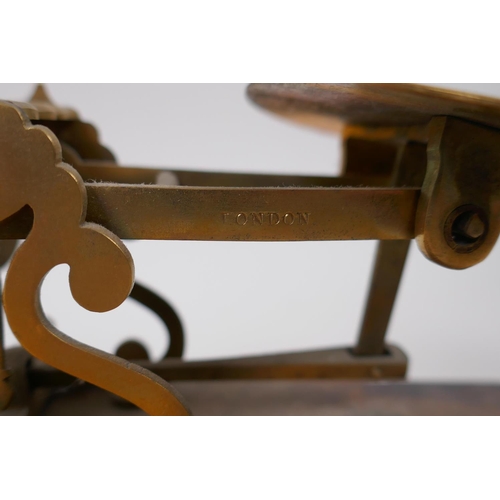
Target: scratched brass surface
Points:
(243, 214)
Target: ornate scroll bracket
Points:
(101, 268)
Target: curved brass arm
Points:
(101, 269)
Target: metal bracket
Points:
(458, 214)
(101, 268)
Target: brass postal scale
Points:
(417, 163)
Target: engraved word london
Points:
(266, 218)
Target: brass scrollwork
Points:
(101, 269)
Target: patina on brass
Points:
(418, 162)
(101, 269)
(457, 221)
(243, 214)
(409, 169)
(458, 217)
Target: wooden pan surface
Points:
(299, 397)
(326, 105)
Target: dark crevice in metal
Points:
(166, 313)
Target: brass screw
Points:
(466, 228)
(470, 225)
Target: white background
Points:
(253, 298)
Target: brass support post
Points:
(390, 260)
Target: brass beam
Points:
(100, 171)
(243, 214)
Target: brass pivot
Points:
(457, 221)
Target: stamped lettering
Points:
(266, 218)
(257, 218)
(241, 219)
